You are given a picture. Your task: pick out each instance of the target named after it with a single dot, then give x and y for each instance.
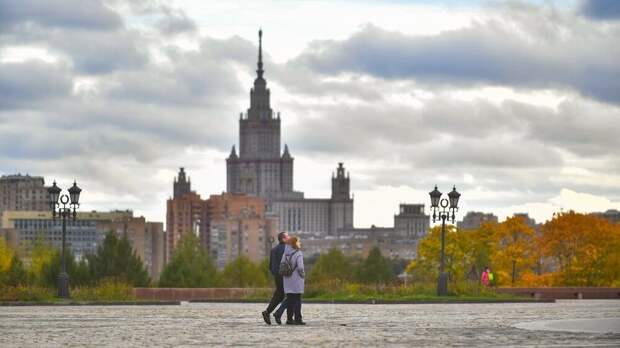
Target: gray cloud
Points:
(601, 9)
(22, 84)
(443, 133)
(559, 53)
(101, 52)
(175, 22)
(84, 14)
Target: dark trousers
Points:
(293, 309)
(278, 296)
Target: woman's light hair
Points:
(295, 242)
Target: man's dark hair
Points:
(281, 237)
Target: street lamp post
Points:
(444, 209)
(69, 203)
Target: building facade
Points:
(82, 237)
(261, 169)
(23, 193)
(238, 226)
(411, 224)
(473, 220)
(185, 213)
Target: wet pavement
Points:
(217, 324)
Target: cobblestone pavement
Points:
(215, 324)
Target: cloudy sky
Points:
(516, 103)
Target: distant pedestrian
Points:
(278, 297)
(294, 273)
(484, 278)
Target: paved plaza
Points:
(215, 324)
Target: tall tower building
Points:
(260, 169)
(341, 185)
(263, 169)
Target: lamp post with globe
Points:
(444, 209)
(65, 207)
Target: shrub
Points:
(107, 290)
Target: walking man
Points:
(274, 268)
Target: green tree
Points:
(116, 259)
(332, 266)
(375, 269)
(16, 274)
(41, 254)
(264, 268)
(190, 266)
(243, 273)
(77, 271)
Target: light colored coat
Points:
(295, 283)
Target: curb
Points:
(371, 302)
(95, 303)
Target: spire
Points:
(286, 154)
(260, 70)
(233, 153)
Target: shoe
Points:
(266, 318)
(300, 323)
(277, 319)
(288, 322)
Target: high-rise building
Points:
(146, 238)
(262, 170)
(23, 193)
(238, 226)
(474, 219)
(185, 213)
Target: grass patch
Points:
(106, 291)
(25, 293)
(355, 292)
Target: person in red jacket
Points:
(484, 278)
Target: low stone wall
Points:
(193, 294)
(586, 293)
(188, 294)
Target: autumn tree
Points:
(584, 247)
(513, 248)
(459, 255)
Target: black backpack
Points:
(286, 267)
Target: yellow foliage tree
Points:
(514, 249)
(584, 247)
(6, 255)
(41, 255)
(574, 250)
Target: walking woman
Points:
(293, 260)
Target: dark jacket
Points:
(274, 259)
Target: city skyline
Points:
(389, 98)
